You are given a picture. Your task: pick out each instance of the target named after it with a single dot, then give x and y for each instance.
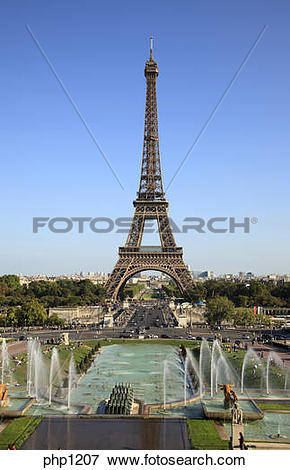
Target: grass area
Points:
(132, 290)
(171, 342)
(274, 406)
(204, 436)
(18, 431)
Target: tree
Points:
(244, 317)
(11, 281)
(196, 293)
(31, 313)
(55, 320)
(219, 309)
(263, 320)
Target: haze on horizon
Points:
(51, 167)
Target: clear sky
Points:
(50, 166)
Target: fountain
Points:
(220, 368)
(36, 371)
(273, 358)
(164, 384)
(5, 369)
(204, 364)
(196, 380)
(71, 378)
(185, 379)
(250, 358)
(54, 373)
(286, 380)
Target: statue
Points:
(3, 395)
(230, 397)
(237, 414)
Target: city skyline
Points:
(239, 168)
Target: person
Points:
(11, 447)
(242, 441)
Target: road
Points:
(156, 318)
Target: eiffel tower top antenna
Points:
(151, 48)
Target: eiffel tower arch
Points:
(150, 205)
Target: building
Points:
(84, 314)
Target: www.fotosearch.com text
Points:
(123, 224)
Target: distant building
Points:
(206, 275)
(83, 314)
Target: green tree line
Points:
(242, 294)
(25, 305)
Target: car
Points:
(245, 337)
(199, 338)
(125, 335)
(164, 336)
(210, 339)
(190, 338)
(155, 336)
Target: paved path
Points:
(17, 348)
(284, 355)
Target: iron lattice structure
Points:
(150, 205)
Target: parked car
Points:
(245, 337)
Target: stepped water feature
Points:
(156, 372)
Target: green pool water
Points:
(266, 428)
(16, 404)
(217, 404)
(42, 409)
(141, 365)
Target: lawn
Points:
(18, 431)
(171, 342)
(274, 406)
(204, 436)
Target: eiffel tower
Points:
(150, 205)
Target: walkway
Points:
(284, 355)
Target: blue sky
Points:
(50, 166)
